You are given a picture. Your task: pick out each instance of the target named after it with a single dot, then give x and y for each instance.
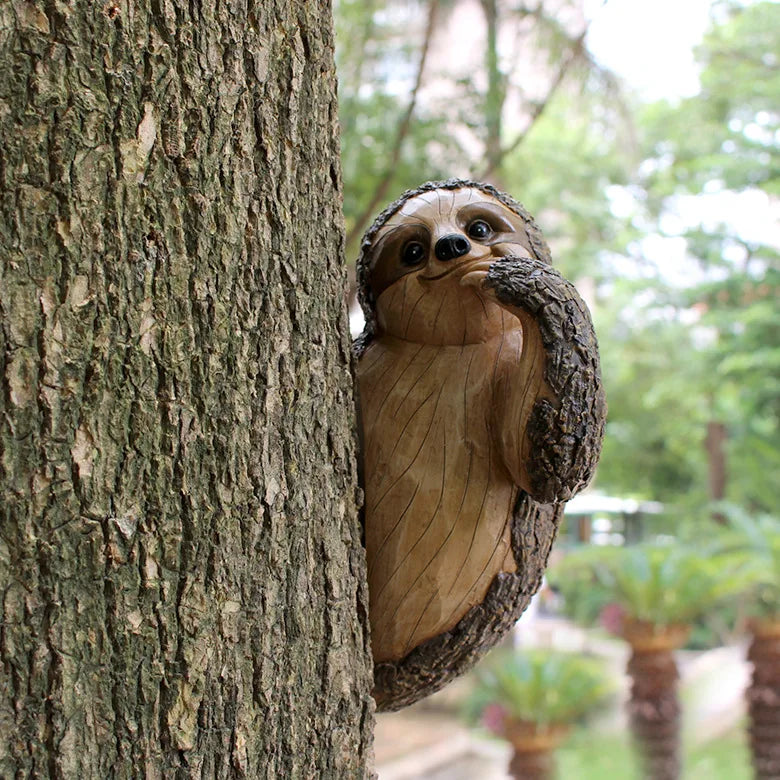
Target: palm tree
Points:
(763, 697)
(531, 698)
(659, 589)
(755, 544)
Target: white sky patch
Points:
(752, 214)
(759, 216)
(649, 42)
(356, 321)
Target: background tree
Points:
(646, 199)
(754, 543)
(411, 111)
(532, 699)
(386, 136)
(690, 361)
(655, 592)
(714, 420)
(182, 578)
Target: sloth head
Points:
(423, 260)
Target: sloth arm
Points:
(549, 408)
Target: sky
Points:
(649, 42)
(637, 40)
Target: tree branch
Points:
(539, 108)
(402, 132)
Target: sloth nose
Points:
(452, 246)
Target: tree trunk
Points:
(717, 436)
(654, 711)
(763, 697)
(533, 756)
(183, 586)
(532, 765)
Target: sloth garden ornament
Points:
(482, 412)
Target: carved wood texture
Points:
(482, 412)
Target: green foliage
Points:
(744, 368)
(603, 178)
(539, 686)
(735, 115)
(654, 447)
(753, 545)
(575, 578)
(563, 172)
(377, 51)
(589, 756)
(379, 43)
(659, 583)
(726, 758)
(679, 357)
(366, 147)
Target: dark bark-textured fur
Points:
(566, 438)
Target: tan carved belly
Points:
(438, 500)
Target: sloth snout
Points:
(452, 246)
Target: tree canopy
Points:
(647, 206)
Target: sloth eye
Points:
(479, 229)
(413, 253)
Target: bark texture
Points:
(763, 697)
(533, 757)
(654, 712)
(566, 436)
(532, 765)
(182, 577)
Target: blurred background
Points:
(643, 136)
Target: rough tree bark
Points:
(763, 696)
(182, 578)
(654, 712)
(654, 708)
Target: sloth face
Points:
(428, 262)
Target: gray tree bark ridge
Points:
(183, 585)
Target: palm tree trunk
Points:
(534, 748)
(654, 708)
(654, 711)
(763, 698)
(532, 765)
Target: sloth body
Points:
(436, 387)
(462, 423)
(435, 560)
